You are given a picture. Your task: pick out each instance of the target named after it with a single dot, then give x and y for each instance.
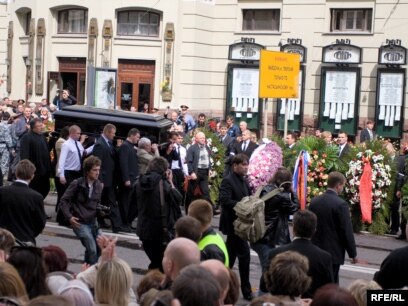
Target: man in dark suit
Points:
(129, 170)
(334, 232)
(394, 270)
(368, 133)
(320, 262)
(34, 147)
(233, 188)
(400, 162)
(22, 123)
(107, 154)
(226, 139)
(290, 140)
(22, 208)
(246, 146)
(198, 163)
(344, 147)
(229, 143)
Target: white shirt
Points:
(21, 181)
(107, 140)
(341, 147)
(370, 132)
(245, 145)
(69, 158)
(183, 155)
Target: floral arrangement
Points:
(212, 124)
(377, 154)
(404, 189)
(381, 178)
(323, 160)
(317, 174)
(404, 204)
(263, 164)
(49, 126)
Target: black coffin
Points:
(91, 120)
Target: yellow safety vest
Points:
(218, 241)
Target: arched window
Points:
(72, 21)
(24, 16)
(26, 22)
(138, 23)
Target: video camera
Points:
(102, 210)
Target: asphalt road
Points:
(371, 251)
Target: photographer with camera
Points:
(80, 205)
(158, 208)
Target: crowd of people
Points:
(105, 185)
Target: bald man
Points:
(221, 274)
(179, 253)
(198, 164)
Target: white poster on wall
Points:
(340, 95)
(390, 94)
(293, 105)
(245, 89)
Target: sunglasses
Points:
(8, 301)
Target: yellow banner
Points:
(278, 74)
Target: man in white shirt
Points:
(70, 161)
(182, 151)
(70, 164)
(176, 155)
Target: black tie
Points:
(79, 155)
(244, 146)
(179, 157)
(111, 147)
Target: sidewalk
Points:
(363, 239)
(376, 242)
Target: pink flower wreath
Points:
(264, 162)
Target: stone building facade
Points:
(173, 52)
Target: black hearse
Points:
(91, 120)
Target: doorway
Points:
(144, 96)
(126, 90)
(136, 84)
(72, 76)
(69, 81)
